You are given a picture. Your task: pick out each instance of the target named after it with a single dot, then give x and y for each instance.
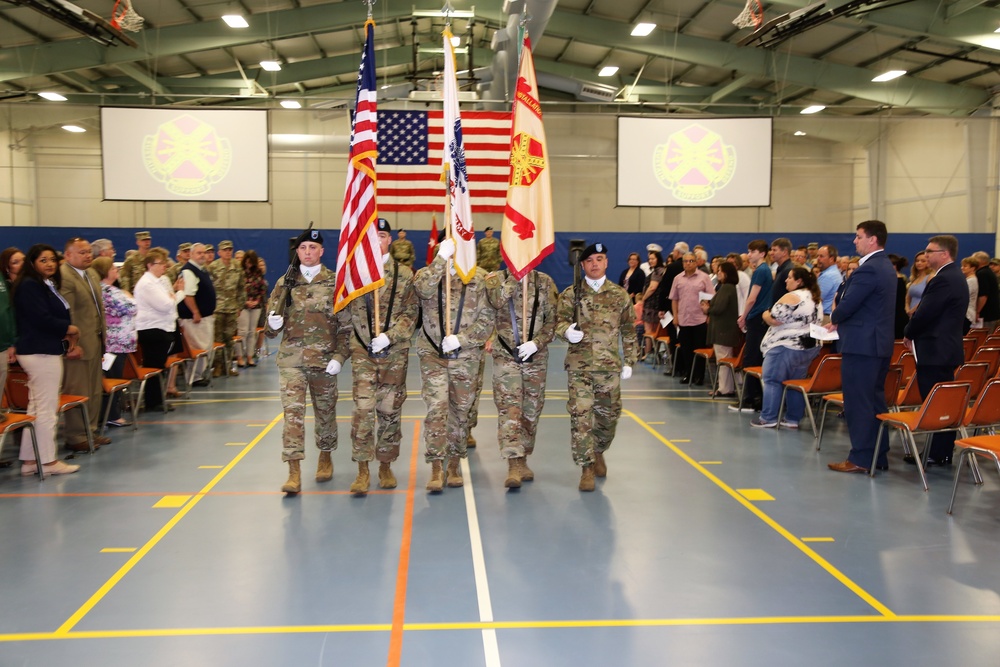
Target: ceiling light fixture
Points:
(608, 70)
(271, 65)
(52, 97)
(816, 108)
(291, 104)
(889, 76)
(643, 29)
(235, 21)
(456, 40)
(73, 128)
(799, 133)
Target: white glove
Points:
(446, 249)
(626, 372)
(275, 321)
(525, 350)
(333, 367)
(573, 334)
(450, 343)
(380, 342)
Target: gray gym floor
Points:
(709, 543)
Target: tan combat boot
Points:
(386, 479)
(600, 467)
(294, 483)
(513, 480)
(470, 442)
(436, 483)
(360, 485)
(324, 469)
(454, 472)
(527, 474)
(587, 478)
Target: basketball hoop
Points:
(124, 16)
(751, 16)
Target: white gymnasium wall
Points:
(917, 174)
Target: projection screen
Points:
(694, 161)
(184, 154)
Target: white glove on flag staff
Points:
(450, 343)
(380, 342)
(275, 321)
(573, 334)
(525, 350)
(333, 367)
(446, 249)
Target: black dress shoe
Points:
(698, 382)
(882, 466)
(943, 461)
(909, 460)
(200, 383)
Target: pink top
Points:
(684, 292)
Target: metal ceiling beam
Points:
(961, 7)
(150, 83)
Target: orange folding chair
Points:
(990, 355)
(111, 387)
(141, 374)
(980, 335)
(908, 363)
(969, 346)
(825, 380)
(897, 351)
(987, 446)
(892, 381)
(975, 373)
(944, 410)
(708, 354)
(735, 366)
(908, 397)
(18, 398)
(14, 422)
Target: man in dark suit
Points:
(934, 332)
(864, 318)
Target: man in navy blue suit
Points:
(934, 332)
(864, 318)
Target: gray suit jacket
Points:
(86, 309)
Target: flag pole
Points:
(522, 26)
(447, 270)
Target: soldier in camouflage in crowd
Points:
(183, 255)
(593, 322)
(378, 364)
(488, 252)
(135, 264)
(450, 347)
(520, 361)
(230, 298)
(312, 352)
(402, 250)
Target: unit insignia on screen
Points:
(694, 163)
(187, 156)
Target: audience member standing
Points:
(935, 331)
(864, 320)
(829, 278)
(920, 273)
(256, 293)
(632, 278)
(488, 252)
(989, 292)
(183, 256)
(11, 261)
(402, 250)
(723, 332)
(8, 332)
(119, 319)
(135, 264)
(781, 256)
(901, 315)
(752, 321)
(969, 266)
(156, 319)
(197, 310)
(650, 307)
(230, 298)
(691, 323)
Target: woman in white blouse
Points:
(156, 319)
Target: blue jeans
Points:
(780, 364)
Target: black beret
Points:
(309, 235)
(488, 229)
(594, 249)
(383, 225)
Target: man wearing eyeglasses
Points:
(935, 329)
(690, 320)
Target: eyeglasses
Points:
(689, 261)
(928, 251)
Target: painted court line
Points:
(777, 527)
(490, 647)
(403, 570)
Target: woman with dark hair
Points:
(633, 278)
(44, 333)
(650, 314)
(246, 324)
(901, 316)
(8, 325)
(723, 332)
(788, 348)
(11, 261)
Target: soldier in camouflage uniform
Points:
(520, 361)
(593, 322)
(183, 255)
(230, 297)
(378, 365)
(135, 264)
(402, 250)
(488, 252)
(312, 352)
(450, 347)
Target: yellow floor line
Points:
(78, 615)
(118, 550)
(816, 539)
(781, 530)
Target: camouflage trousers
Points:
(594, 405)
(519, 393)
(448, 390)
(474, 412)
(225, 329)
(379, 393)
(293, 383)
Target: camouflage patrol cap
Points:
(225, 245)
(143, 236)
(594, 249)
(383, 225)
(209, 247)
(309, 235)
(184, 247)
(813, 246)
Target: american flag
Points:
(359, 257)
(409, 160)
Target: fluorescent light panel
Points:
(799, 133)
(52, 97)
(889, 76)
(643, 29)
(271, 65)
(609, 70)
(816, 108)
(290, 104)
(456, 40)
(235, 21)
(73, 128)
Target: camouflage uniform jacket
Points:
(503, 289)
(402, 251)
(404, 306)
(604, 317)
(477, 315)
(132, 269)
(313, 334)
(230, 286)
(488, 254)
(175, 270)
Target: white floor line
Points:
(490, 647)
